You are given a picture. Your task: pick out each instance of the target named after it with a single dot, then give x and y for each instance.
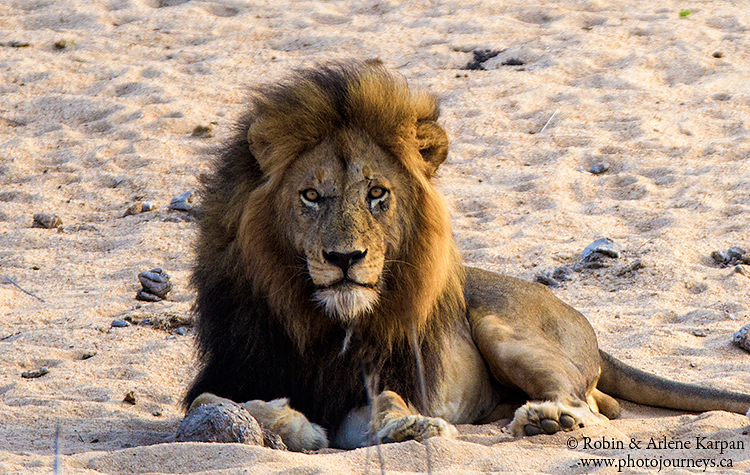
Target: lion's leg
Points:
(560, 398)
(295, 430)
(533, 341)
(394, 421)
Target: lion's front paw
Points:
(416, 427)
(548, 417)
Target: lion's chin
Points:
(347, 301)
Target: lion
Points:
(333, 303)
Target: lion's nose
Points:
(344, 260)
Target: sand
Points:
(104, 104)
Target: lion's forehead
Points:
(347, 158)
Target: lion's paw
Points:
(295, 430)
(416, 427)
(548, 417)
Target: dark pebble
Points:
(182, 202)
(603, 246)
(742, 338)
(597, 254)
(35, 373)
(46, 221)
(155, 282)
(129, 397)
(146, 296)
(731, 257)
(599, 168)
(120, 323)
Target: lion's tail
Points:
(625, 382)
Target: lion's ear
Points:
(257, 143)
(433, 144)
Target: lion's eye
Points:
(311, 195)
(377, 192)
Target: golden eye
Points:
(311, 195)
(376, 192)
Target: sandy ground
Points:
(99, 102)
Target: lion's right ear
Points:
(433, 144)
(257, 143)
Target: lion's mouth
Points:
(347, 299)
(345, 284)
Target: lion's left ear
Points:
(433, 144)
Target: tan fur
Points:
(337, 230)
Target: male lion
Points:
(325, 260)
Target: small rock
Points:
(140, 207)
(88, 354)
(718, 54)
(599, 168)
(700, 333)
(604, 246)
(120, 323)
(46, 221)
(182, 331)
(156, 413)
(146, 296)
(742, 338)
(182, 202)
(595, 254)
(35, 373)
(61, 44)
(129, 397)
(155, 284)
(731, 257)
(220, 423)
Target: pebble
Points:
(140, 207)
(742, 338)
(35, 373)
(593, 254)
(155, 284)
(129, 397)
(120, 323)
(227, 423)
(46, 221)
(182, 202)
(731, 257)
(599, 168)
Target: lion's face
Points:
(340, 210)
